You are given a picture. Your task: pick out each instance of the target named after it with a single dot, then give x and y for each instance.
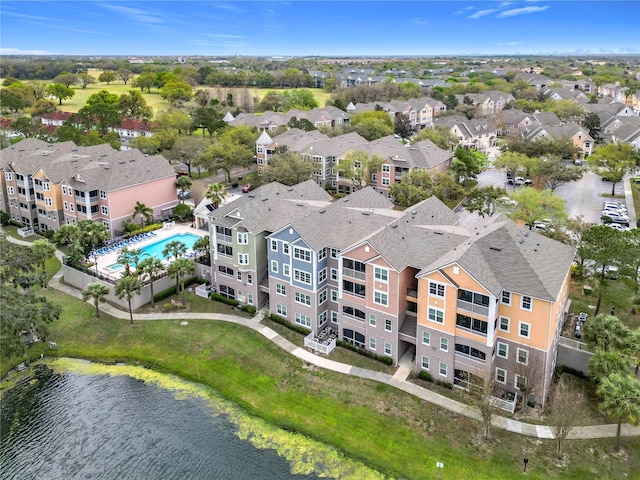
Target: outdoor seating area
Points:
(505, 401)
(123, 243)
(324, 342)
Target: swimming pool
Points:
(155, 249)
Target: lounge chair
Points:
(153, 234)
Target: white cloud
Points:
(18, 51)
(482, 13)
(419, 21)
(522, 11)
(135, 14)
(464, 10)
(509, 43)
(222, 35)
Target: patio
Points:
(324, 342)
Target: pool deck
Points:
(103, 261)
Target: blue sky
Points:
(300, 27)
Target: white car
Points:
(509, 202)
(614, 217)
(618, 226)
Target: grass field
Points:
(155, 100)
(385, 428)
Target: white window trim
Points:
(506, 354)
(522, 307)
(382, 270)
(301, 298)
(505, 375)
(528, 329)
(446, 369)
(274, 245)
(372, 343)
(428, 362)
(286, 270)
(431, 282)
(518, 356)
(437, 310)
(429, 339)
(281, 287)
(305, 252)
(242, 238)
(500, 324)
(373, 320)
(385, 294)
(274, 266)
(502, 298)
(447, 341)
(390, 352)
(301, 274)
(515, 380)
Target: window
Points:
(285, 248)
(380, 298)
(243, 259)
(387, 349)
(10, 190)
(470, 352)
(520, 382)
(281, 310)
(103, 194)
(302, 298)
(64, 190)
(274, 266)
(46, 186)
(334, 317)
(501, 375)
(373, 319)
(239, 277)
(274, 245)
(472, 297)
(436, 315)
(353, 288)
(504, 324)
(322, 254)
(443, 369)
(286, 269)
(243, 238)
(381, 274)
(436, 289)
(48, 202)
(425, 363)
(225, 250)
(334, 274)
(503, 350)
(322, 297)
(524, 330)
(444, 344)
(334, 253)
(281, 289)
(65, 204)
(372, 343)
(506, 297)
(104, 210)
(385, 181)
(526, 303)
(322, 318)
(302, 254)
(387, 325)
(322, 275)
(8, 175)
(249, 279)
(386, 168)
(334, 296)
(353, 313)
(522, 356)
(250, 299)
(472, 324)
(303, 320)
(226, 271)
(300, 276)
(426, 338)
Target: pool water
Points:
(155, 249)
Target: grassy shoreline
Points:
(382, 427)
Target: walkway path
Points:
(397, 380)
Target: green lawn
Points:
(385, 428)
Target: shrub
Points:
(560, 369)
(182, 211)
(48, 234)
(382, 359)
(248, 308)
(171, 291)
(445, 384)
(426, 376)
(290, 326)
(4, 219)
(219, 298)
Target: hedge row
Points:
(382, 359)
(219, 298)
(172, 291)
(290, 326)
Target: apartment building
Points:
(466, 301)
(47, 185)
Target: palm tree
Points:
(175, 249)
(216, 192)
(96, 291)
(66, 234)
(179, 269)
(184, 183)
(620, 394)
(92, 234)
(605, 362)
(127, 287)
(124, 258)
(41, 251)
(202, 245)
(150, 267)
(146, 213)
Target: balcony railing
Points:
(350, 272)
(412, 291)
(472, 307)
(223, 238)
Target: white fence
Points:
(570, 342)
(203, 290)
(322, 346)
(25, 232)
(508, 405)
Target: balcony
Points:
(223, 238)
(349, 272)
(473, 307)
(412, 292)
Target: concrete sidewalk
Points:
(398, 380)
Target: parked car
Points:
(246, 188)
(578, 331)
(184, 195)
(544, 224)
(523, 181)
(614, 217)
(509, 202)
(618, 226)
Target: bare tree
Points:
(566, 406)
(481, 390)
(528, 372)
(197, 193)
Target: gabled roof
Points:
(57, 115)
(136, 125)
(228, 117)
(297, 139)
